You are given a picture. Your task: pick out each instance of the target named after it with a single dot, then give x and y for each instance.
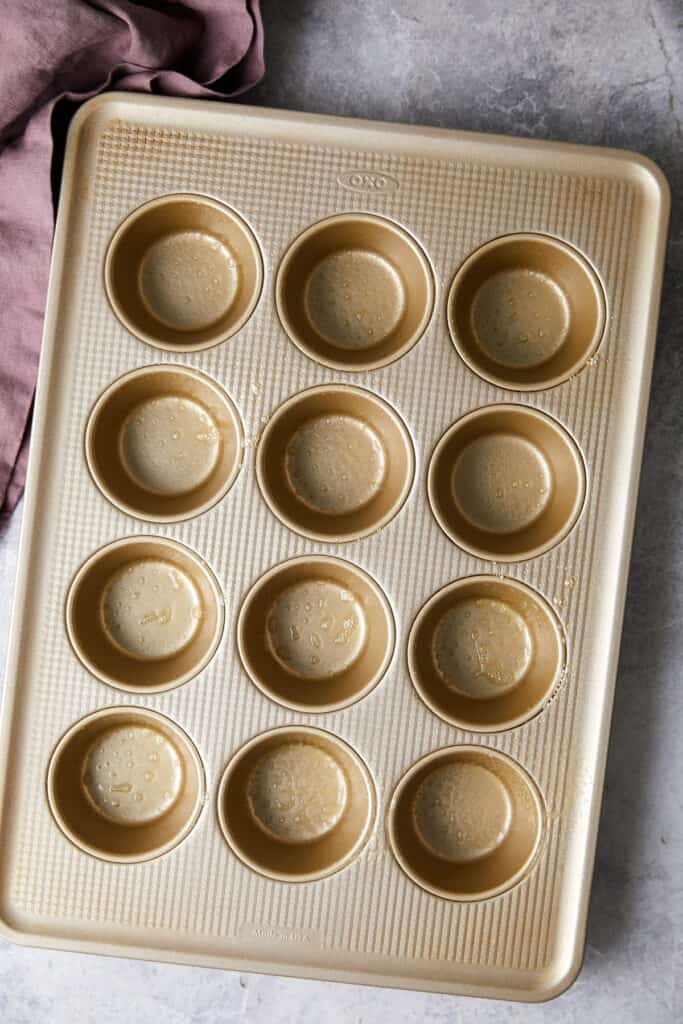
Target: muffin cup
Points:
(526, 311)
(485, 653)
(144, 614)
(466, 823)
(316, 633)
(164, 443)
(296, 804)
(355, 292)
(125, 784)
(183, 272)
(506, 483)
(335, 463)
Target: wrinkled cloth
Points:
(52, 56)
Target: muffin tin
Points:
(326, 537)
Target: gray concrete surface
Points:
(608, 73)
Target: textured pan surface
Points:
(281, 173)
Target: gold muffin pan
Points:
(334, 463)
(317, 526)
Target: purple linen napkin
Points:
(53, 55)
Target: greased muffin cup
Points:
(466, 823)
(332, 481)
(506, 482)
(316, 633)
(183, 272)
(335, 463)
(486, 652)
(355, 292)
(125, 784)
(164, 443)
(296, 804)
(526, 311)
(144, 614)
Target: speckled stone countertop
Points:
(607, 73)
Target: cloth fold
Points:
(52, 57)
